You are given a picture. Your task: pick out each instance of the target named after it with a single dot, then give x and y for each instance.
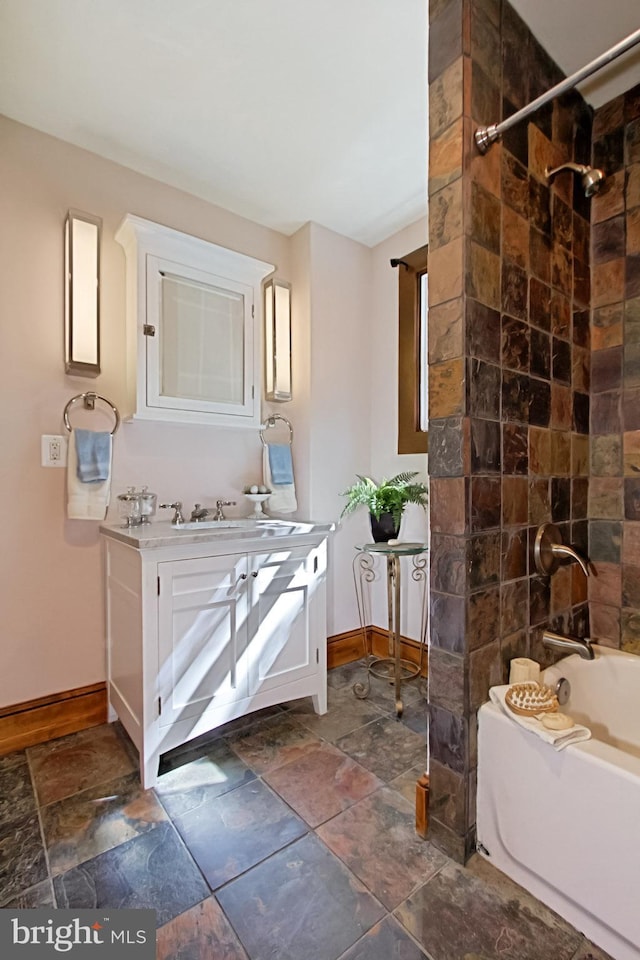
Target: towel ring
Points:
(271, 422)
(90, 403)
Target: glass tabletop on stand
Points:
(393, 547)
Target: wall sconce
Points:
(82, 294)
(277, 324)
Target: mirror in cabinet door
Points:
(199, 356)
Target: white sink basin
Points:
(206, 525)
(240, 529)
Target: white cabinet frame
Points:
(147, 246)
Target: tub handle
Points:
(548, 549)
(562, 691)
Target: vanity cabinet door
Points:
(202, 635)
(283, 639)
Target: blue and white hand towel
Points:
(277, 462)
(93, 452)
(280, 463)
(87, 499)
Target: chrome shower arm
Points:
(576, 167)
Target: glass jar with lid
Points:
(136, 506)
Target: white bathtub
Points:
(566, 825)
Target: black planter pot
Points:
(383, 529)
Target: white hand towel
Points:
(85, 501)
(283, 495)
(559, 739)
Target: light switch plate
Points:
(53, 451)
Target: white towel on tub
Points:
(559, 739)
(85, 501)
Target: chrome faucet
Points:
(199, 513)
(219, 505)
(177, 517)
(574, 644)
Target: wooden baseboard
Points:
(346, 647)
(35, 721)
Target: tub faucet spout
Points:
(567, 642)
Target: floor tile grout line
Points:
(344, 862)
(191, 857)
(308, 830)
(94, 786)
(331, 853)
(43, 838)
(258, 863)
(383, 783)
(390, 916)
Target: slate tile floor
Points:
(284, 836)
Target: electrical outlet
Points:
(53, 451)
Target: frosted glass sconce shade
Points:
(82, 295)
(277, 318)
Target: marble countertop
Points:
(163, 533)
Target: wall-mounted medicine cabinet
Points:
(193, 343)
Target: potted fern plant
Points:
(385, 501)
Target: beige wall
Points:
(50, 574)
(50, 567)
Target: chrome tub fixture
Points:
(549, 549)
(560, 641)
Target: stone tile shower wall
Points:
(509, 342)
(614, 490)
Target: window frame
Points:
(411, 267)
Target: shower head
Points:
(591, 176)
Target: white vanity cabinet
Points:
(204, 631)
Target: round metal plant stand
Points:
(391, 668)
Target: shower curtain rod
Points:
(485, 136)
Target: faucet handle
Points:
(177, 507)
(548, 548)
(223, 503)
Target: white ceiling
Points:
(280, 110)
